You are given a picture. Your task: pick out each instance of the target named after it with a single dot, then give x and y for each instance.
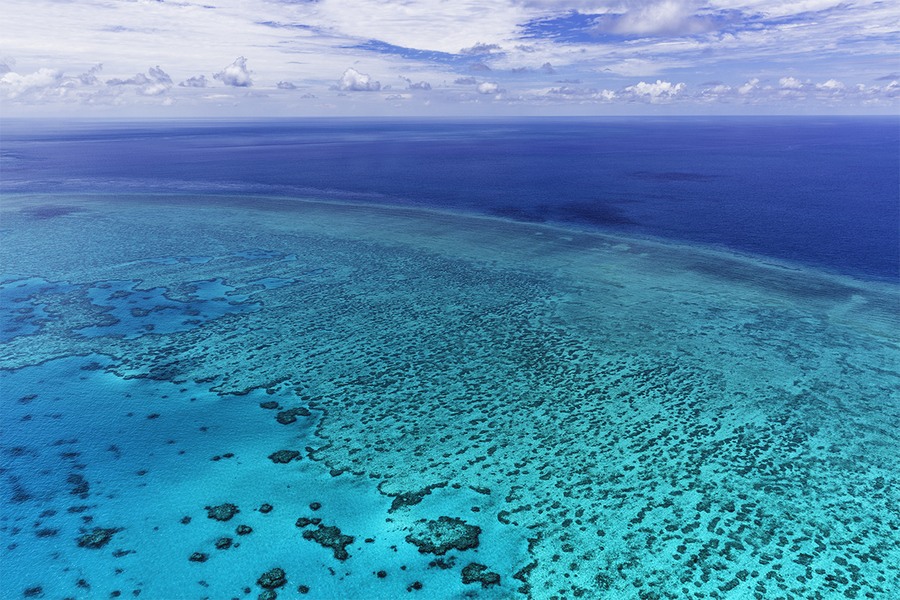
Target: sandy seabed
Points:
(392, 403)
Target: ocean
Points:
(523, 358)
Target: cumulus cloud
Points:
(891, 90)
(789, 83)
(795, 90)
(196, 82)
(422, 85)
(155, 83)
(354, 81)
(45, 84)
(479, 68)
(654, 92)
(236, 74)
(89, 77)
(488, 88)
(466, 81)
(286, 85)
(480, 48)
(832, 85)
(548, 69)
(749, 86)
(16, 85)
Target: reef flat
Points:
(432, 405)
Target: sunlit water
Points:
(582, 413)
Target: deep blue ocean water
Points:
(818, 191)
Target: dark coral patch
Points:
(98, 538)
(474, 573)
(286, 417)
(331, 537)
(224, 543)
(447, 532)
(222, 512)
(413, 498)
(274, 578)
(283, 456)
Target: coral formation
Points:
(273, 578)
(331, 537)
(287, 417)
(222, 512)
(97, 538)
(283, 456)
(443, 534)
(475, 572)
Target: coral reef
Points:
(331, 537)
(289, 416)
(475, 572)
(273, 578)
(98, 538)
(222, 512)
(283, 456)
(443, 534)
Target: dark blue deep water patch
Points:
(818, 191)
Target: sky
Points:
(258, 58)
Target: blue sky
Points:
(252, 58)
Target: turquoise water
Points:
(585, 415)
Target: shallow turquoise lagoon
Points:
(239, 397)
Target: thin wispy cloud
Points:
(767, 55)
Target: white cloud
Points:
(307, 43)
(195, 82)
(659, 17)
(155, 83)
(488, 88)
(832, 85)
(354, 81)
(789, 83)
(46, 84)
(434, 25)
(286, 85)
(422, 85)
(236, 74)
(749, 86)
(15, 85)
(654, 92)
